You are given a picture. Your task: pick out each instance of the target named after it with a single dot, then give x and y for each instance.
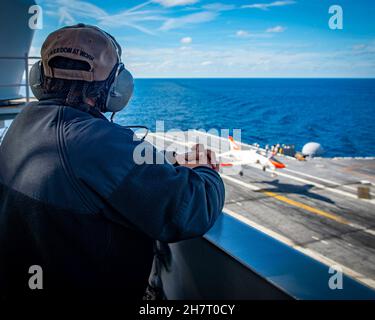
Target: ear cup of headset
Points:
(120, 91)
(36, 79)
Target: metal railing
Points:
(26, 58)
(234, 260)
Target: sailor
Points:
(75, 199)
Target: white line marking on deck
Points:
(321, 179)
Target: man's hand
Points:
(198, 156)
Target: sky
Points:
(243, 38)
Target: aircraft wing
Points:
(235, 163)
(225, 154)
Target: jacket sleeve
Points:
(169, 203)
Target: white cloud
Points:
(136, 17)
(67, 9)
(359, 46)
(246, 61)
(253, 35)
(174, 3)
(70, 12)
(206, 63)
(174, 23)
(185, 48)
(34, 51)
(365, 49)
(218, 6)
(186, 40)
(211, 11)
(276, 29)
(242, 34)
(265, 6)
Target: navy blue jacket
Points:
(74, 201)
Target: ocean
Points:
(337, 113)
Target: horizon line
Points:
(336, 78)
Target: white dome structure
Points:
(312, 149)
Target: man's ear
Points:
(90, 101)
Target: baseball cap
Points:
(84, 43)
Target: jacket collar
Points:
(83, 107)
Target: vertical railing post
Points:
(27, 77)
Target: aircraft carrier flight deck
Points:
(316, 206)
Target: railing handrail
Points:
(26, 59)
(278, 263)
(18, 58)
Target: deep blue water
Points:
(338, 113)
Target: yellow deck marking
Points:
(287, 200)
(305, 207)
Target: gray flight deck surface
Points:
(310, 205)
